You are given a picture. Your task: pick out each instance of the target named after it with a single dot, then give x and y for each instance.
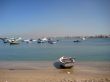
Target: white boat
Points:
(29, 40)
(66, 62)
(11, 40)
(50, 41)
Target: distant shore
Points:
(45, 71)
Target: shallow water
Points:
(87, 50)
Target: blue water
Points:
(89, 50)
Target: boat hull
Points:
(14, 43)
(69, 65)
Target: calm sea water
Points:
(88, 50)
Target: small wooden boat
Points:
(66, 62)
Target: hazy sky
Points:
(54, 17)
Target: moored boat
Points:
(76, 41)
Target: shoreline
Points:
(33, 65)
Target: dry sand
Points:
(81, 72)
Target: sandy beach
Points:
(47, 72)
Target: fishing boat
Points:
(66, 62)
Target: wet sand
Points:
(49, 72)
